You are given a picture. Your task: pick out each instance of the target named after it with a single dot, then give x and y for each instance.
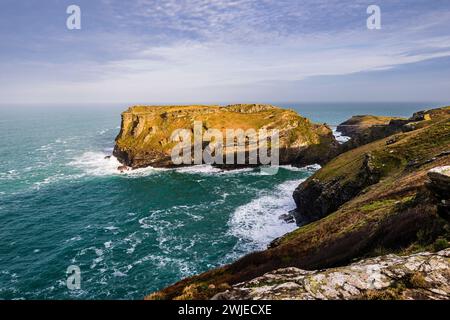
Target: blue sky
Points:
(186, 51)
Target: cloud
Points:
(167, 50)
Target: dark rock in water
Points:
(288, 217)
(123, 169)
(107, 157)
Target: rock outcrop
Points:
(350, 173)
(145, 138)
(439, 185)
(419, 276)
(364, 129)
(367, 128)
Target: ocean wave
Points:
(95, 163)
(340, 137)
(103, 164)
(309, 168)
(257, 223)
(207, 169)
(54, 179)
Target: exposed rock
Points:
(419, 276)
(349, 174)
(287, 217)
(364, 129)
(439, 185)
(145, 138)
(357, 126)
(123, 168)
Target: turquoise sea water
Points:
(62, 203)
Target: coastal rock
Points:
(419, 276)
(123, 169)
(439, 185)
(364, 129)
(145, 138)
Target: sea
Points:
(63, 205)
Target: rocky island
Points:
(145, 138)
(387, 192)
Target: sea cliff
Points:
(145, 138)
(389, 195)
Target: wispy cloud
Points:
(166, 49)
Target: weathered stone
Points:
(424, 275)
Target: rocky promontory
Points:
(387, 146)
(145, 138)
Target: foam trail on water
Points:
(209, 169)
(98, 164)
(258, 222)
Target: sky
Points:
(199, 51)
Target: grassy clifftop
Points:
(145, 136)
(392, 210)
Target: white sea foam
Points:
(54, 179)
(101, 164)
(199, 169)
(310, 168)
(207, 169)
(95, 163)
(257, 223)
(340, 137)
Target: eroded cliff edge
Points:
(395, 204)
(145, 135)
(418, 276)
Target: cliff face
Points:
(146, 132)
(419, 276)
(350, 173)
(363, 129)
(374, 199)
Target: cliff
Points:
(368, 201)
(353, 171)
(363, 129)
(418, 276)
(145, 138)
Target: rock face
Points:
(316, 199)
(419, 276)
(366, 128)
(363, 129)
(353, 171)
(439, 185)
(145, 138)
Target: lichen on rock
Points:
(419, 276)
